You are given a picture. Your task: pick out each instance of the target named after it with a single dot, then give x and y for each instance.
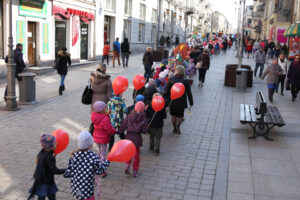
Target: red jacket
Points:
(102, 128)
(106, 50)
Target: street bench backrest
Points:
(261, 103)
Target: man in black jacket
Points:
(148, 62)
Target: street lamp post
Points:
(11, 103)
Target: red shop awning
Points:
(60, 13)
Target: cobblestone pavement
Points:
(191, 166)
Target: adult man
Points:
(259, 58)
(116, 53)
(162, 40)
(19, 61)
(294, 77)
(271, 47)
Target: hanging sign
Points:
(33, 8)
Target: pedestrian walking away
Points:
(116, 52)
(63, 59)
(135, 124)
(204, 61)
(44, 184)
(178, 106)
(294, 77)
(125, 50)
(148, 62)
(273, 71)
(82, 168)
(162, 40)
(177, 40)
(283, 63)
(106, 50)
(259, 58)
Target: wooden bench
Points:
(262, 118)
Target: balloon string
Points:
(135, 93)
(170, 103)
(151, 119)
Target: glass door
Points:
(84, 32)
(60, 35)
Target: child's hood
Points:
(135, 117)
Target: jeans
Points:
(148, 73)
(271, 53)
(202, 73)
(155, 137)
(294, 91)
(136, 160)
(116, 54)
(62, 80)
(257, 65)
(105, 57)
(125, 58)
(50, 197)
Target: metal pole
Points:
(239, 33)
(11, 103)
(185, 21)
(242, 36)
(156, 44)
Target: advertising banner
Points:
(280, 37)
(294, 46)
(33, 8)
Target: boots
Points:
(60, 90)
(63, 87)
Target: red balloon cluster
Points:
(122, 151)
(158, 103)
(120, 84)
(62, 140)
(177, 91)
(139, 81)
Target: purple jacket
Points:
(136, 124)
(294, 73)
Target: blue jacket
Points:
(117, 46)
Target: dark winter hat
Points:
(47, 141)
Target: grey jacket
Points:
(259, 57)
(273, 72)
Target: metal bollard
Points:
(27, 88)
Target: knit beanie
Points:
(139, 98)
(85, 140)
(99, 106)
(139, 107)
(47, 141)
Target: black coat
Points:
(135, 93)
(158, 120)
(194, 55)
(63, 59)
(205, 60)
(148, 94)
(148, 59)
(180, 103)
(18, 59)
(125, 47)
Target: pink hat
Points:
(99, 106)
(139, 107)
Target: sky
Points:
(229, 8)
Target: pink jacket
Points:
(102, 128)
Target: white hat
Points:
(85, 140)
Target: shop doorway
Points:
(60, 35)
(31, 38)
(109, 29)
(84, 33)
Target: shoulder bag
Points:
(87, 94)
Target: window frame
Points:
(142, 39)
(154, 18)
(129, 4)
(129, 22)
(144, 13)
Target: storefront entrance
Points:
(109, 29)
(31, 38)
(84, 33)
(60, 35)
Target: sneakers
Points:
(104, 175)
(135, 173)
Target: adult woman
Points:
(204, 58)
(178, 106)
(101, 85)
(282, 62)
(294, 77)
(125, 50)
(148, 62)
(63, 59)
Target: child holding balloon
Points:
(44, 184)
(135, 124)
(102, 129)
(83, 165)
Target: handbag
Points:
(87, 95)
(199, 65)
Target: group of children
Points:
(85, 168)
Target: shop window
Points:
(128, 7)
(110, 5)
(127, 29)
(154, 16)
(142, 11)
(141, 32)
(153, 33)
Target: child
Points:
(83, 165)
(156, 126)
(106, 50)
(44, 184)
(102, 129)
(136, 124)
(117, 112)
(137, 99)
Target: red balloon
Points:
(221, 46)
(204, 43)
(122, 151)
(139, 81)
(177, 91)
(62, 140)
(120, 84)
(158, 103)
